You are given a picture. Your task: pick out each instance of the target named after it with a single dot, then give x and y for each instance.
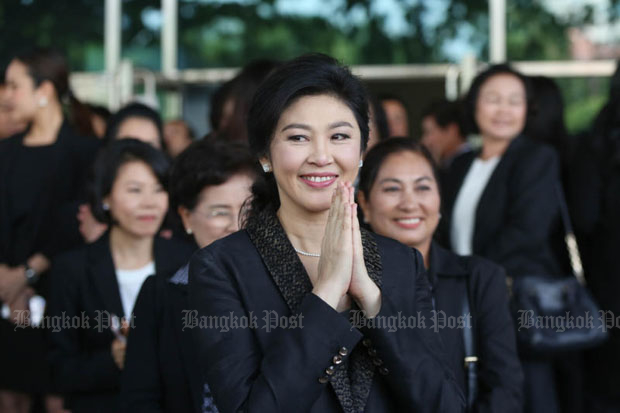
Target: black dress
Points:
(40, 188)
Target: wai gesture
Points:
(342, 269)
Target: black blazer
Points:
(161, 373)
(518, 212)
(84, 287)
(454, 277)
(240, 279)
(55, 226)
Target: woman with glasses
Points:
(210, 182)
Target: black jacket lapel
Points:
(352, 382)
(104, 275)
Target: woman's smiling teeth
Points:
(409, 220)
(312, 178)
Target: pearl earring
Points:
(42, 102)
(361, 163)
(189, 231)
(266, 167)
(105, 206)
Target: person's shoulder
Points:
(176, 245)
(392, 250)
(235, 245)
(484, 273)
(8, 142)
(535, 150)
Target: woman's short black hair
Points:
(205, 163)
(133, 110)
(111, 159)
(471, 99)
(307, 75)
(377, 155)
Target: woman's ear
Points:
(46, 90)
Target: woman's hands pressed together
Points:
(342, 269)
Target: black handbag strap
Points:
(569, 237)
(469, 343)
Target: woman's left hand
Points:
(362, 288)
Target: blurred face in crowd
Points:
(21, 96)
(176, 136)
(137, 201)
(501, 107)
(396, 114)
(316, 144)
(440, 141)
(217, 212)
(140, 128)
(404, 201)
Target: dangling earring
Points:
(105, 206)
(42, 102)
(266, 167)
(361, 163)
(189, 231)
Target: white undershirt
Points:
(466, 204)
(130, 282)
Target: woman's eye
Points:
(340, 136)
(134, 190)
(391, 189)
(297, 138)
(423, 188)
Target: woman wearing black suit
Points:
(42, 176)
(399, 195)
(209, 183)
(294, 313)
(95, 287)
(501, 202)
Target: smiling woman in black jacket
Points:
(274, 301)
(501, 202)
(399, 194)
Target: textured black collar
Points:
(353, 379)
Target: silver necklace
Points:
(307, 254)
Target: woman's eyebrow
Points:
(296, 126)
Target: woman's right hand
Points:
(336, 262)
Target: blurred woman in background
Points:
(134, 120)
(42, 177)
(501, 202)
(209, 184)
(101, 280)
